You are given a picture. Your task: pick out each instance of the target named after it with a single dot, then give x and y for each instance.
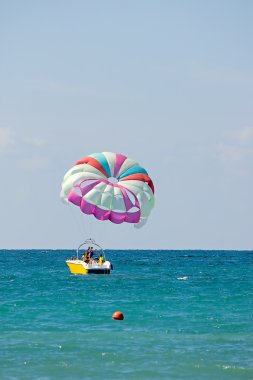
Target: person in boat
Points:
(90, 254)
(101, 259)
(84, 257)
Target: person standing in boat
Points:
(84, 257)
(90, 254)
(86, 254)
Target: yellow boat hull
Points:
(79, 267)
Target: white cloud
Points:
(34, 141)
(244, 135)
(6, 139)
(34, 163)
(231, 154)
(236, 153)
(235, 158)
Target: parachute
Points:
(110, 186)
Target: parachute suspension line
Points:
(78, 223)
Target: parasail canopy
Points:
(110, 186)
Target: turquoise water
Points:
(188, 315)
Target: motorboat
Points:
(92, 259)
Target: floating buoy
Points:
(118, 315)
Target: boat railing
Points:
(89, 241)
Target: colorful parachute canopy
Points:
(111, 187)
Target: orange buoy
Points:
(118, 315)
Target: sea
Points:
(187, 315)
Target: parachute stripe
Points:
(133, 170)
(127, 164)
(120, 158)
(140, 177)
(85, 189)
(110, 157)
(100, 157)
(127, 200)
(92, 162)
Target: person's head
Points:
(91, 247)
(101, 255)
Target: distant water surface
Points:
(188, 315)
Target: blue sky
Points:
(167, 83)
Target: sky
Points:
(166, 83)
